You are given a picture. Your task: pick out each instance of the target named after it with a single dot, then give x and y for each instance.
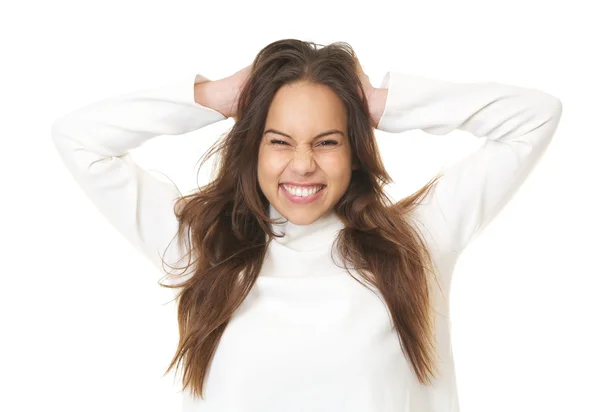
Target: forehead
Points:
(306, 108)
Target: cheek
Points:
(270, 167)
(336, 167)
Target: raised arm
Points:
(518, 124)
(94, 143)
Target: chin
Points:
(300, 217)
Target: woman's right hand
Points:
(222, 95)
(234, 85)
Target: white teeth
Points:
(302, 191)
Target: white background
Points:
(85, 325)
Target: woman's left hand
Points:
(364, 80)
(376, 97)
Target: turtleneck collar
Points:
(306, 237)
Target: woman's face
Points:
(304, 160)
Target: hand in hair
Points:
(236, 82)
(376, 97)
(364, 80)
(222, 95)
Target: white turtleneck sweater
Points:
(309, 337)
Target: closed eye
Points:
(274, 141)
(323, 143)
(333, 142)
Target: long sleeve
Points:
(94, 143)
(518, 124)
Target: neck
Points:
(306, 237)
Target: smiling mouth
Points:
(302, 193)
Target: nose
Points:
(302, 162)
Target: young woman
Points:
(303, 286)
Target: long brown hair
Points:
(226, 227)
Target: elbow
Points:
(57, 126)
(549, 105)
(554, 105)
(56, 130)
(557, 107)
(60, 132)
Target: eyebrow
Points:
(325, 133)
